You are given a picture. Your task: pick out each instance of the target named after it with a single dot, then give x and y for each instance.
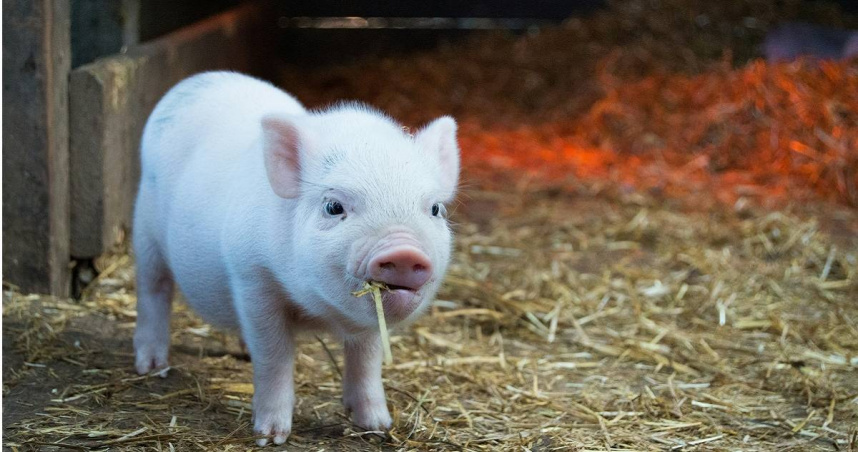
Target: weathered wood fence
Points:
(70, 134)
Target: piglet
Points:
(268, 216)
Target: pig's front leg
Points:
(363, 392)
(269, 339)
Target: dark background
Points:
(309, 45)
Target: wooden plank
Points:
(36, 60)
(111, 99)
(313, 46)
(101, 178)
(536, 9)
(159, 17)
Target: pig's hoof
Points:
(274, 426)
(151, 357)
(371, 416)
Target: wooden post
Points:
(36, 62)
(112, 97)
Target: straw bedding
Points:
(587, 322)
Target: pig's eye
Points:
(439, 210)
(334, 208)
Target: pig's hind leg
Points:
(154, 300)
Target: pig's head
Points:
(369, 204)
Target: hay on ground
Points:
(589, 323)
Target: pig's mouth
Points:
(395, 287)
(399, 302)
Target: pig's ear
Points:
(281, 144)
(439, 137)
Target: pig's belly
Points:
(194, 254)
(204, 285)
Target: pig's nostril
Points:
(388, 266)
(419, 268)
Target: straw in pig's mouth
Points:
(375, 288)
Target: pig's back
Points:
(216, 113)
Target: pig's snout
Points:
(401, 267)
(397, 258)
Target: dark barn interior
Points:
(656, 230)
